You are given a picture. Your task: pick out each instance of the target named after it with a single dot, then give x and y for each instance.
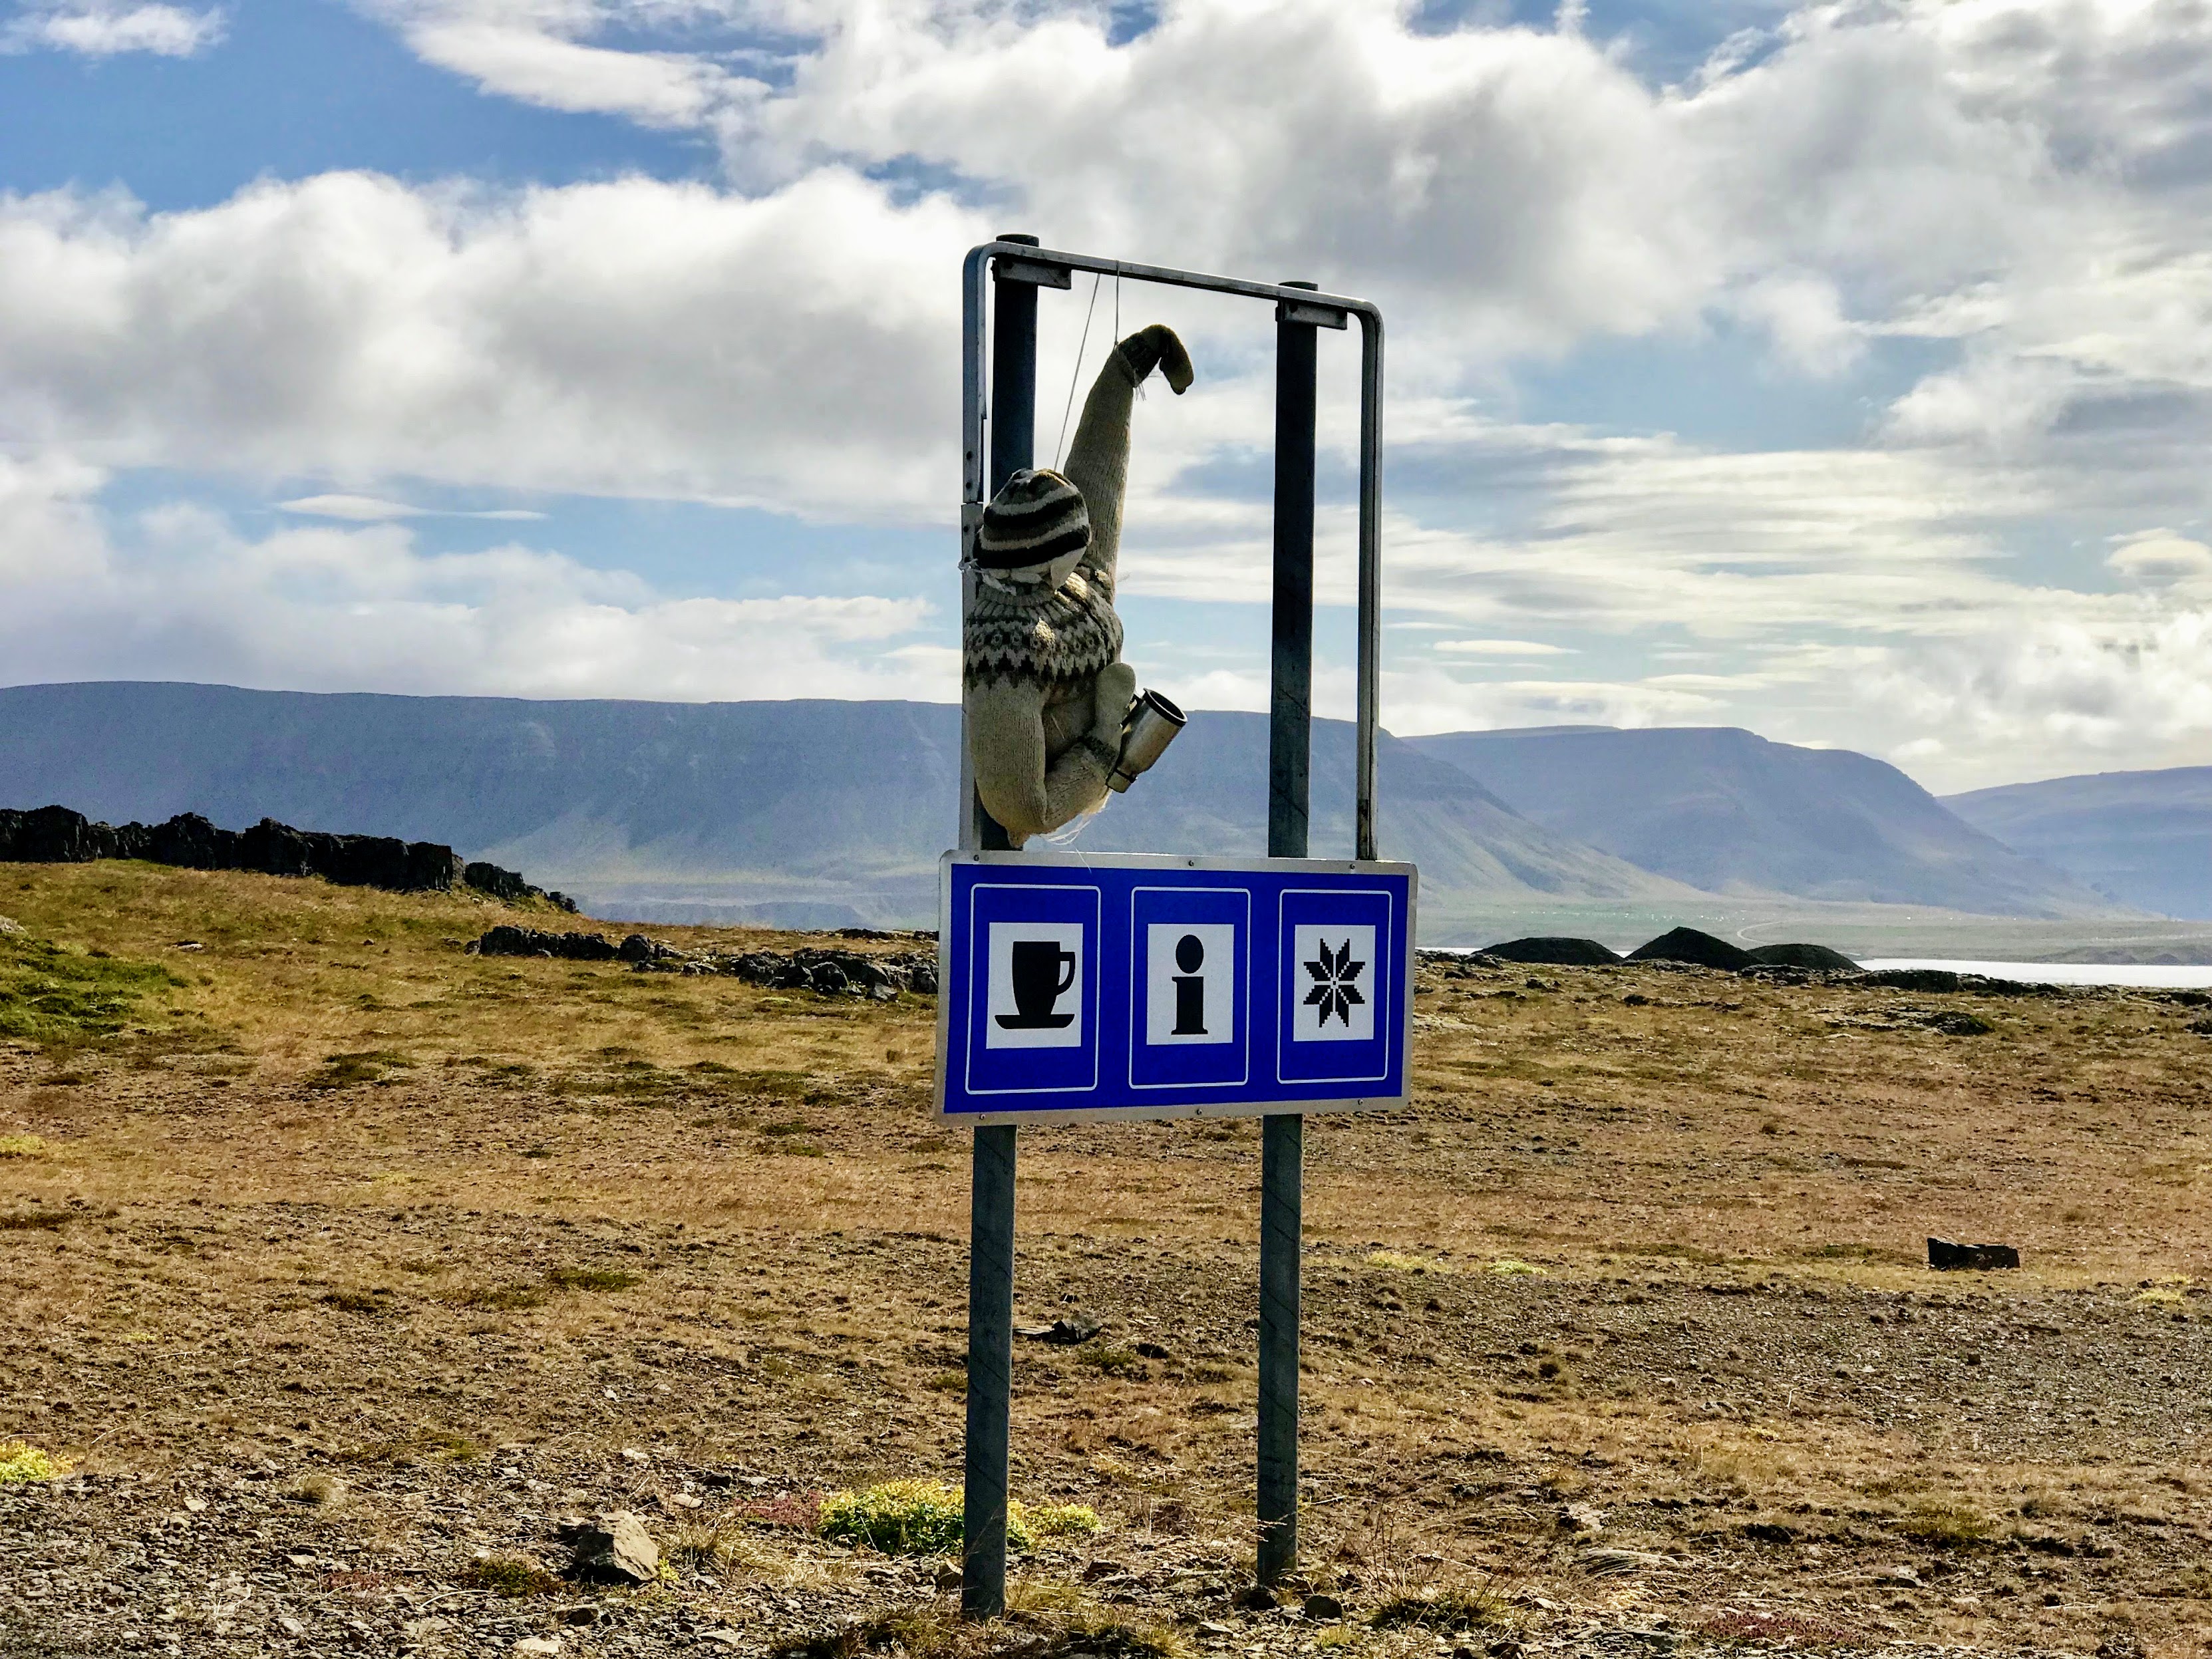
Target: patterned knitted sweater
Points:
(1052, 641)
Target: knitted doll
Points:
(1044, 686)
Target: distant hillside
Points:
(2142, 838)
(802, 813)
(1728, 811)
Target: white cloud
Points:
(375, 509)
(1500, 648)
(48, 530)
(630, 337)
(358, 509)
(2129, 689)
(177, 593)
(2159, 558)
(542, 52)
(1803, 315)
(101, 29)
(658, 88)
(2016, 192)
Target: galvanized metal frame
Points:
(1043, 266)
(1023, 266)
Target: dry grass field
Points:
(339, 1264)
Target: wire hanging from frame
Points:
(1075, 375)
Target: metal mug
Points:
(1152, 726)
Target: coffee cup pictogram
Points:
(1043, 970)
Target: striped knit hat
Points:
(1038, 517)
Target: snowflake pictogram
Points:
(1335, 989)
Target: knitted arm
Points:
(1098, 462)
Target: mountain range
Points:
(1728, 811)
(2141, 839)
(817, 812)
(801, 813)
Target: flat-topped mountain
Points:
(1730, 812)
(2142, 838)
(800, 813)
(814, 813)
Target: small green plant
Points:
(1507, 1267)
(510, 1575)
(910, 1517)
(1062, 1520)
(900, 1517)
(23, 1146)
(20, 1461)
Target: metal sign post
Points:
(1289, 756)
(1075, 988)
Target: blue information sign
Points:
(1117, 985)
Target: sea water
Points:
(2148, 974)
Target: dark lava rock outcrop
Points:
(826, 972)
(534, 942)
(1554, 953)
(55, 834)
(1699, 949)
(1949, 1255)
(1804, 956)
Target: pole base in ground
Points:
(1282, 1176)
(990, 1368)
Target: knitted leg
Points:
(1098, 461)
(1005, 736)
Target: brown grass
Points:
(1661, 1259)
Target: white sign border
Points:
(1137, 1010)
(1286, 1013)
(1090, 987)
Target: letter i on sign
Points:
(1190, 993)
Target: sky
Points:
(1843, 371)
